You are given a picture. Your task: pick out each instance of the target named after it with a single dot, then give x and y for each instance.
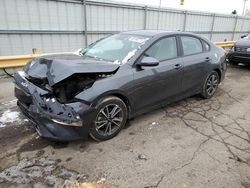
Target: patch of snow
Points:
(153, 124)
(102, 180)
(116, 62)
(9, 117)
(9, 103)
(2, 125)
(138, 40)
(77, 52)
(129, 55)
(142, 157)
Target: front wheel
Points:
(210, 85)
(111, 116)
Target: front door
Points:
(155, 85)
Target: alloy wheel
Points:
(212, 84)
(109, 120)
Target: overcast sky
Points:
(217, 6)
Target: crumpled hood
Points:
(59, 67)
(243, 42)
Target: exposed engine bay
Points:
(65, 90)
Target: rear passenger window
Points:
(191, 45)
(163, 49)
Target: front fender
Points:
(93, 98)
(119, 84)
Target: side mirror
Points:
(243, 36)
(148, 61)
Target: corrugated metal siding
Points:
(237, 36)
(152, 19)
(54, 26)
(40, 15)
(94, 37)
(16, 44)
(103, 18)
(170, 21)
(245, 26)
(224, 24)
(221, 36)
(198, 22)
(207, 36)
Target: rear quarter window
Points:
(206, 46)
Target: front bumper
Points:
(238, 57)
(51, 119)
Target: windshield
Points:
(117, 48)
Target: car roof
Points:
(159, 33)
(152, 33)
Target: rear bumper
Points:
(51, 119)
(223, 70)
(238, 57)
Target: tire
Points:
(210, 86)
(110, 118)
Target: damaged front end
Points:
(66, 90)
(47, 98)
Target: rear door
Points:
(196, 59)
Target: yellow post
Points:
(35, 51)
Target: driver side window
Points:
(163, 49)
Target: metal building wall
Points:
(47, 25)
(61, 25)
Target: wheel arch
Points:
(219, 73)
(118, 94)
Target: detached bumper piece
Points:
(52, 120)
(49, 129)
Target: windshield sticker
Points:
(138, 40)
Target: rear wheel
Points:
(210, 85)
(110, 118)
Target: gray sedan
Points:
(95, 91)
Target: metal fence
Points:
(67, 25)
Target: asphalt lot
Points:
(191, 143)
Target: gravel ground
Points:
(191, 143)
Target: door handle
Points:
(207, 59)
(177, 66)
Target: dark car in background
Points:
(95, 91)
(240, 53)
